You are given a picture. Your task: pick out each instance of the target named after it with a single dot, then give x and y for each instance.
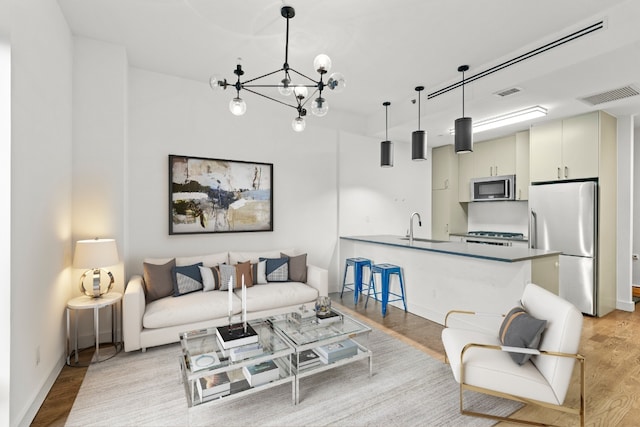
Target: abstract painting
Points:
(219, 196)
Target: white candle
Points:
(230, 298)
(244, 301)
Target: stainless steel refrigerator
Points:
(564, 217)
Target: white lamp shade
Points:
(96, 253)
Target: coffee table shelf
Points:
(204, 343)
(314, 335)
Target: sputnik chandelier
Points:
(319, 106)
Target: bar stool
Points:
(386, 270)
(358, 265)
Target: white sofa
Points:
(161, 321)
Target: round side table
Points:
(110, 299)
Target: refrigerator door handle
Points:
(533, 231)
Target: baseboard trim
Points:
(625, 306)
(31, 413)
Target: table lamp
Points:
(95, 254)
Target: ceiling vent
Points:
(611, 95)
(507, 92)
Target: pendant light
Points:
(463, 125)
(386, 146)
(419, 137)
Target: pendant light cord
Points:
(386, 122)
(419, 110)
(463, 93)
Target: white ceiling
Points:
(387, 48)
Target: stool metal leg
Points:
(357, 282)
(344, 279)
(404, 300)
(385, 292)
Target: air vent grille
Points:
(611, 95)
(507, 92)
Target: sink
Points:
(419, 239)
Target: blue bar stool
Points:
(358, 265)
(385, 271)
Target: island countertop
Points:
(473, 250)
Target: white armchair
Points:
(482, 364)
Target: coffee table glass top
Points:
(202, 351)
(312, 332)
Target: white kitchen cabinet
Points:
(522, 165)
(447, 214)
(495, 157)
(565, 149)
(442, 161)
(465, 173)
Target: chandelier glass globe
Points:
(319, 107)
(237, 106)
(298, 124)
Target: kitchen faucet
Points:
(411, 225)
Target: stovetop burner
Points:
(501, 234)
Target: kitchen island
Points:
(441, 276)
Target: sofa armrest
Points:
(133, 306)
(318, 278)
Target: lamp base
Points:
(96, 289)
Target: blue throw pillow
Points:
(277, 269)
(186, 279)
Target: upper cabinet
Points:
(495, 157)
(489, 158)
(565, 149)
(442, 168)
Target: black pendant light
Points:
(463, 126)
(386, 146)
(419, 137)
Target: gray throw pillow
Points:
(519, 329)
(227, 272)
(297, 267)
(158, 280)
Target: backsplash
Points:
(499, 216)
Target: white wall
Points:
(170, 115)
(624, 223)
(40, 199)
(5, 220)
(100, 101)
(376, 200)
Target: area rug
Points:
(408, 388)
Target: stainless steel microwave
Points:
(493, 188)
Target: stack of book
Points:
(329, 317)
(214, 386)
(336, 351)
(245, 351)
(306, 359)
(261, 373)
(231, 336)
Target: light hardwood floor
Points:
(611, 345)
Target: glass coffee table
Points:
(211, 373)
(335, 344)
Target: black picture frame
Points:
(208, 195)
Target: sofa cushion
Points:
(279, 294)
(297, 267)
(227, 274)
(190, 308)
(519, 329)
(259, 272)
(277, 269)
(158, 280)
(186, 279)
(210, 278)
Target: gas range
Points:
(498, 234)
